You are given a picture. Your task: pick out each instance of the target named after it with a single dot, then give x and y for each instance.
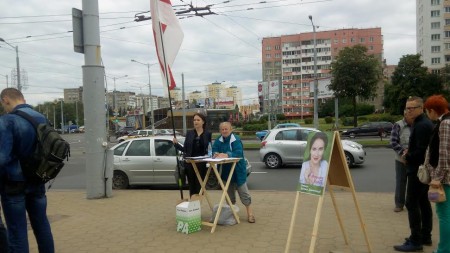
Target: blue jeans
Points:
(400, 184)
(443, 213)
(15, 206)
(3, 236)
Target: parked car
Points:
(370, 129)
(135, 134)
(261, 134)
(150, 161)
(287, 146)
(124, 131)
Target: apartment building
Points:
(73, 95)
(433, 33)
(289, 59)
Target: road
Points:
(375, 175)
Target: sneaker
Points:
(398, 209)
(427, 242)
(408, 246)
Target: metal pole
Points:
(19, 86)
(184, 107)
(62, 117)
(54, 116)
(151, 99)
(316, 85)
(76, 111)
(98, 158)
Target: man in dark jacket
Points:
(19, 196)
(419, 207)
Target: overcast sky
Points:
(224, 47)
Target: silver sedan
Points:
(287, 146)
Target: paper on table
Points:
(218, 159)
(197, 157)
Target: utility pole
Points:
(98, 171)
(19, 86)
(316, 85)
(184, 107)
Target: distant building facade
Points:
(433, 33)
(289, 60)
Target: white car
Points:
(150, 161)
(287, 146)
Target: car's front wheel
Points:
(272, 161)
(349, 159)
(352, 135)
(120, 180)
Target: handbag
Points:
(424, 170)
(437, 195)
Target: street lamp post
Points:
(149, 93)
(316, 85)
(62, 116)
(19, 86)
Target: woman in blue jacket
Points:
(228, 145)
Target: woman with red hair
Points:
(436, 108)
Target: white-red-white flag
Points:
(168, 37)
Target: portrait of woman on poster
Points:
(314, 169)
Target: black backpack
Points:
(51, 150)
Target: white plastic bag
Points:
(226, 215)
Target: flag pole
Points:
(166, 74)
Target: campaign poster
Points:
(314, 172)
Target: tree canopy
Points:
(355, 74)
(410, 78)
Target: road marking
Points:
(259, 172)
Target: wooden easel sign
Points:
(324, 166)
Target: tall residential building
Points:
(433, 33)
(73, 95)
(289, 59)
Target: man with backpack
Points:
(20, 195)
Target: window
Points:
(370, 47)
(277, 55)
(447, 21)
(268, 56)
(371, 39)
(268, 48)
(447, 45)
(336, 41)
(447, 34)
(362, 40)
(435, 49)
(447, 58)
(277, 47)
(447, 9)
(436, 60)
(119, 150)
(435, 36)
(435, 2)
(139, 148)
(435, 13)
(344, 40)
(164, 148)
(435, 25)
(352, 40)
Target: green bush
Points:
(308, 121)
(254, 127)
(328, 120)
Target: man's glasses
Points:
(412, 108)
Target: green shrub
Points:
(328, 120)
(308, 121)
(347, 121)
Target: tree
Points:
(410, 78)
(355, 74)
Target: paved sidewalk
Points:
(144, 221)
